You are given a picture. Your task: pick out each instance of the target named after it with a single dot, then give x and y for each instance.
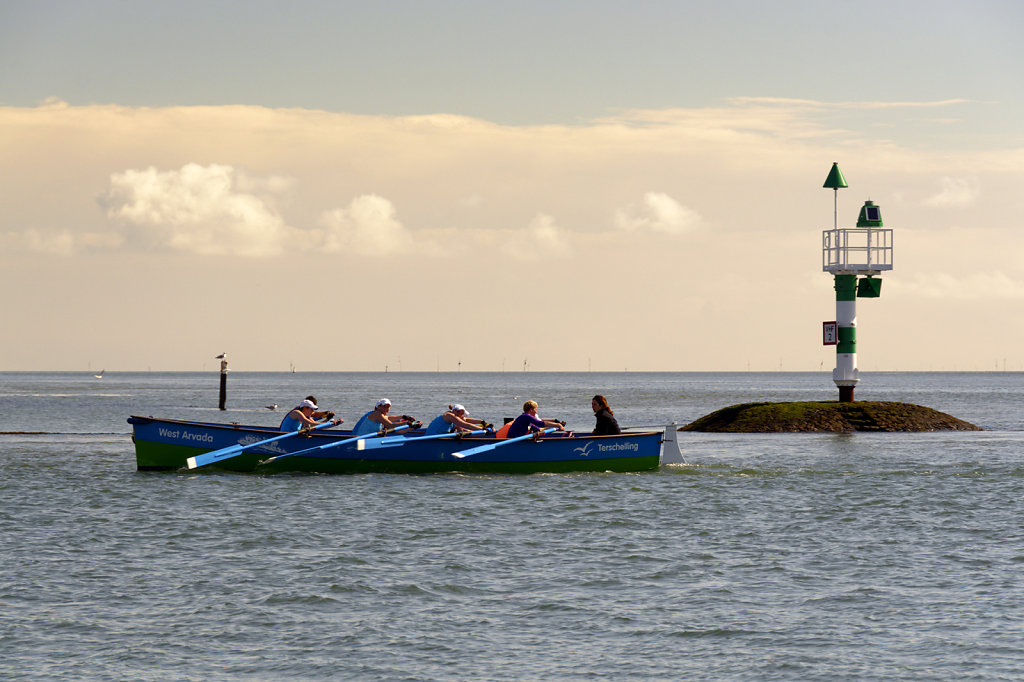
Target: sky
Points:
(474, 186)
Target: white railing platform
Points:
(856, 250)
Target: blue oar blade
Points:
(398, 441)
(491, 446)
(320, 448)
(377, 444)
(215, 456)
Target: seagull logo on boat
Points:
(585, 450)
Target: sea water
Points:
(765, 556)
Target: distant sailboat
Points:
(100, 375)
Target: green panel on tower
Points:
(869, 287)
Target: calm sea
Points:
(782, 556)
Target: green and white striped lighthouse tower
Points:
(848, 253)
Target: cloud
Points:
(979, 286)
(542, 239)
(271, 190)
(955, 193)
(468, 200)
(58, 242)
(657, 212)
(218, 210)
(367, 226)
(197, 209)
(276, 181)
(547, 236)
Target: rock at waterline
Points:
(827, 416)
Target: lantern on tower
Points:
(854, 256)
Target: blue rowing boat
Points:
(170, 444)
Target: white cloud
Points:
(978, 286)
(547, 236)
(197, 209)
(58, 242)
(405, 183)
(270, 190)
(955, 193)
(366, 227)
(542, 239)
(657, 212)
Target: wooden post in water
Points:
(223, 382)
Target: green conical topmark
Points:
(835, 179)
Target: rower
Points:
(455, 419)
(377, 419)
(306, 415)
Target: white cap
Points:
(382, 402)
(309, 403)
(458, 408)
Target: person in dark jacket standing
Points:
(606, 424)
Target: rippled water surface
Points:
(777, 556)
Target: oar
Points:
(335, 444)
(235, 450)
(491, 446)
(398, 441)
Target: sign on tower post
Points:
(849, 253)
